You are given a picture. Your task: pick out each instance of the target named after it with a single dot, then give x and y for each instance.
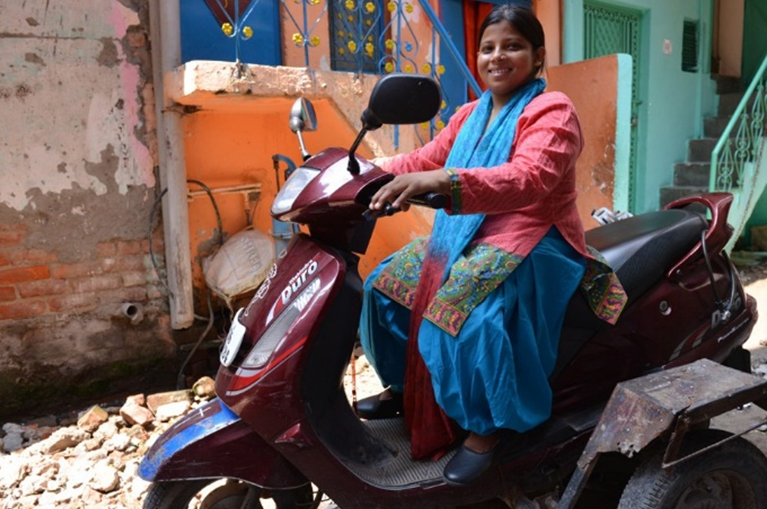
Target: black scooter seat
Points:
(639, 249)
(642, 248)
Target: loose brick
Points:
(71, 303)
(155, 401)
(7, 293)
(134, 414)
(96, 283)
(19, 274)
(42, 288)
(92, 419)
(22, 309)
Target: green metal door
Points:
(754, 38)
(609, 30)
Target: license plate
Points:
(233, 341)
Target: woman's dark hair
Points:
(521, 18)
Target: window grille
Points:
(355, 32)
(690, 46)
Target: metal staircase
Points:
(693, 175)
(731, 156)
(739, 161)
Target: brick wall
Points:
(79, 171)
(34, 283)
(65, 333)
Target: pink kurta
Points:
(528, 194)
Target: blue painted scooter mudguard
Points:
(213, 442)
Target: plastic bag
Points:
(240, 265)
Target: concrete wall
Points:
(673, 103)
(78, 180)
(594, 86)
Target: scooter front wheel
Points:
(217, 494)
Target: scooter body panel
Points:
(292, 302)
(672, 323)
(213, 442)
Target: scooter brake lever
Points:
(388, 210)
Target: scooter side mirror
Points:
(302, 116)
(402, 99)
(397, 99)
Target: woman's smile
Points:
(506, 61)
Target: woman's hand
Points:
(410, 184)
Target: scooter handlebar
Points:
(431, 200)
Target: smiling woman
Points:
(509, 54)
(463, 326)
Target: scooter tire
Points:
(178, 495)
(730, 475)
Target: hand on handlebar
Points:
(408, 185)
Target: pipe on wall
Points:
(165, 34)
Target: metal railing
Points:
(371, 36)
(737, 161)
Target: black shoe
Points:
(376, 408)
(467, 466)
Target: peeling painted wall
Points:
(78, 180)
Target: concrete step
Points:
(713, 127)
(728, 103)
(727, 84)
(671, 193)
(692, 174)
(699, 151)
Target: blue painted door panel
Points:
(203, 39)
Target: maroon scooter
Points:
(282, 426)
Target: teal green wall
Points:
(674, 102)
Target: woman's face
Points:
(506, 60)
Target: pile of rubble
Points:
(90, 460)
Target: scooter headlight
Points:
(293, 186)
(274, 334)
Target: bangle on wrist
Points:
(455, 190)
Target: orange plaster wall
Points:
(234, 146)
(592, 86)
(549, 12)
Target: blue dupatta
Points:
(476, 147)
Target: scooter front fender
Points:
(213, 442)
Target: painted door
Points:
(609, 30)
(244, 30)
(754, 38)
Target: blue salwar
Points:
(494, 373)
